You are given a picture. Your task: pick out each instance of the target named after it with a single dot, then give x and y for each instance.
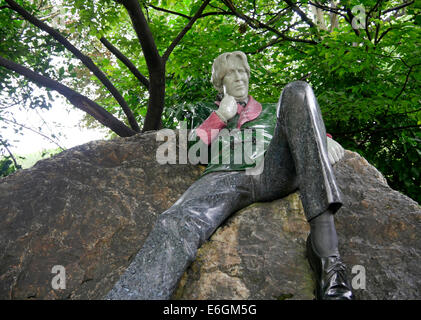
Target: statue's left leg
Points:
(300, 124)
(173, 242)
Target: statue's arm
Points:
(217, 120)
(210, 128)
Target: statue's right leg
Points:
(173, 242)
(300, 141)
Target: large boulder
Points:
(90, 208)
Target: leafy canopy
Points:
(364, 65)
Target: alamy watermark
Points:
(59, 280)
(358, 21)
(359, 280)
(228, 147)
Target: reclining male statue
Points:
(298, 154)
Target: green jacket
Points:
(238, 144)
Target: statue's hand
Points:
(227, 108)
(335, 151)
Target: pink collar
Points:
(250, 112)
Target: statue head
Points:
(231, 73)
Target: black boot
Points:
(330, 272)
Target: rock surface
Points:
(90, 209)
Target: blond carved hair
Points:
(219, 67)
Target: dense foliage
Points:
(362, 58)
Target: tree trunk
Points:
(156, 99)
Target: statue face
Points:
(236, 81)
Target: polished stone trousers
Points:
(296, 159)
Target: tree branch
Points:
(277, 16)
(169, 11)
(214, 13)
(367, 17)
(256, 24)
(383, 34)
(144, 34)
(247, 19)
(184, 31)
(303, 16)
(376, 34)
(398, 7)
(35, 131)
(373, 8)
(349, 19)
(329, 9)
(84, 59)
(154, 62)
(11, 154)
(404, 85)
(142, 79)
(403, 113)
(78, 100)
